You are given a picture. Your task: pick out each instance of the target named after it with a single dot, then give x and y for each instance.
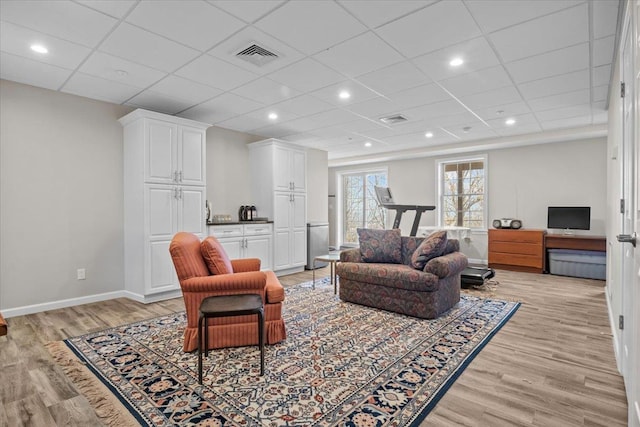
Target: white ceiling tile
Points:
(438, 109)
(551, 32)
(145, 48)
(605, 17)
(492, 98)
(53, 17)
(555, 85)
(394, 78)
(331, 93)
(375, 108)
(115, 8)
(249, 36)
(476, 53)
(359, 55)
(503, 110)
(561, 61)
(519, 130)
(247, 10)
(273, 131)
(311, 26)
(479, 81)
(263, 114)
(434, 27)
(356, 127)
(221, 108)
(266, 91)
(110, 67)
(425, 94)
(243, 123)
(154, 101)
(184, 90)
(476, 132)
(521, 121)
(306, 75)
(30, 72)
(196, 24)
(601, 75)
(376, 13)
(97, 88)
(600, 93)
(454, 120)
(603, 51)
(567, 123)
(564, 113)
(303, 105)
(562, 100)
(493, 15)
(332, 117)
(302, 124)
(17, 40)
(216, 72)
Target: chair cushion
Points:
(431, 247)
(215, 256)
(380, 245)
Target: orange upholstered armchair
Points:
(193, 260)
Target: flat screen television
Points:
(569, 217)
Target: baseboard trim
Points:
(290, 271)
(478, 261)
(154, 297)
(64, 303)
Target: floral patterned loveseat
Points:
(400, 287)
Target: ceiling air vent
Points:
(393, 120)
(257, 55)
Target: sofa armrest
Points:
(350, 255)
(247, 282)
(447, 265)
(245, 264)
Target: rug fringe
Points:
(107, 407)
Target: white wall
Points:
(228, 174)
(61, 196)
(522, 183)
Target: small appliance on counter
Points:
(247, 213)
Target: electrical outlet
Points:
(81, 274)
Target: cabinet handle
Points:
(175, 176)
(180, 176)
(180, 194)
(175, 193)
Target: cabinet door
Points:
(282, 178)
(161, 275)
(299, 247)
(282, 211)
(191, 156)
(160, 152)
(299, 211)
(299, 170)
(233, 247)
(259, 247)
(191, 213)
(281, 249)
(161, 217)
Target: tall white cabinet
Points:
(164, 192)
(279, 190)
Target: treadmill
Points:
(385, 199)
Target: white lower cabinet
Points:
(246, 241)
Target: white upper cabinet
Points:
(289, 169)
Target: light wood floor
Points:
(552, 364)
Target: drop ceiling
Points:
(545, 64)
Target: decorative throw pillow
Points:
(431, 247)
(380, 245)
(215, 256)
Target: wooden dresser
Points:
(519, 250)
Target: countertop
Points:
(239, 222)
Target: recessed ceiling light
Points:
(429, 134)
(466, 129)
(122, 73)
(510, 122)
(39, 48)
(344, 95)
(456, 62)
(367, 144)
(273, 116)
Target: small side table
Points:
(332, 259)
(225, 306)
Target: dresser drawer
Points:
(220, 231)
(520, 236)
(258, 229)
(534, 261)
(516, 248)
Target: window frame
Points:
(440, 164)
(340, 196)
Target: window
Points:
(462, 192)
(360, 207)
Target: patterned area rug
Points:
(342, 364)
